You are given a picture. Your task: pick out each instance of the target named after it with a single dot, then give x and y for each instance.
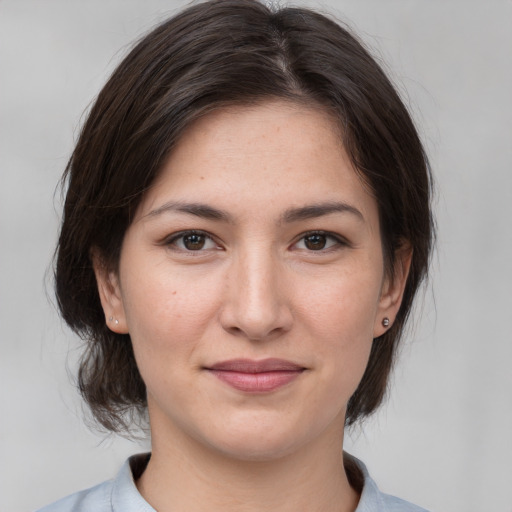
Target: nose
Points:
(256, 304)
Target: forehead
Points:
(253, 157)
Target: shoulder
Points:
(373, 500)
(96, 499)
(117, 495)
(394, 504)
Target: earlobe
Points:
(393, 291)
(109, 291)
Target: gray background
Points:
(444, 438)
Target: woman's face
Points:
(252, 283)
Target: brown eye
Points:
(319, 241)
(191, 241)
(194, 241)
(315, 242)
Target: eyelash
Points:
(173, 239)
(338, 241)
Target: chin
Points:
(256, 450)
(258, 440)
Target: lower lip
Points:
(263, 382)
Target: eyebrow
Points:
(205, 211)
(318, 210)
(201, 210)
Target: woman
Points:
(246, 225)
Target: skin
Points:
(253, 285)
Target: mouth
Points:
(256, 376)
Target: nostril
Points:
(256, 335)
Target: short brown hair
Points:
(213, 54)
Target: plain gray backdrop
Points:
(443, 440)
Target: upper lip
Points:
(250, 366)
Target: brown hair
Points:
(213, 54)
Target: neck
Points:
(184, 475)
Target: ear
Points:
(110, 294)
(393, 290)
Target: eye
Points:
(192, 241)
(318, 241)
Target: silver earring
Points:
(111, 318)
(385, 321)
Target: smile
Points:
(256, 376)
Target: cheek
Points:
(340, 319)
(167, 312)
(344, 306)
(158, 294)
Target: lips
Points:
(256, 376)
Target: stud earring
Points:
(116, 321)
(110, 318)
(385, 321)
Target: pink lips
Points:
(256, 376)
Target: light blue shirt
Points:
(121, 495)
